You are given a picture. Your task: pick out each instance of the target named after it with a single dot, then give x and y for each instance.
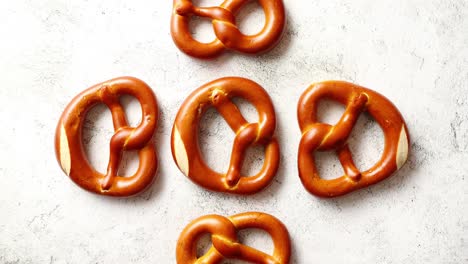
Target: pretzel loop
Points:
(324, 137)
(227, 33)
(185, 146)
(69, 147)
(225, 243)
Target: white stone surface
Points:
(414, 52)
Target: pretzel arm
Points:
(346, 160)
(340, 132)
(229, 111)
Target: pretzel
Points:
(184, 141)
(227, 33)
(323, 137)
(225, 243)
(69, 147)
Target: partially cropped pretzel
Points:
(69, 147)
(225, 243)
(227, 33)
(184, 142)
(323, 137)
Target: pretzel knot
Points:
(69, 147)
(227, 33)
(225, 243)
(324, 137)
(184, 142)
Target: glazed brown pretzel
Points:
(224, 238)
(69, 147)
(186, 150)
(224, 25)
(323, 137)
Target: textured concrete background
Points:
(414, 52)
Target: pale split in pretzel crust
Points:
(65, 160)
(402, 151)
(180, 153)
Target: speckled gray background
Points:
(415, 52)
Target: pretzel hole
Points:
(254, 238)
(253, 160)
(201, 29)
(132, 109)
(203, 244)
(366, 142)
(329, 111)
(247, 110)
(129, 163)
(328, 165)
(97, 133)
(215, 139)
(251, 18)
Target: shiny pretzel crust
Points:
(69, 147)
(184, 140)
(223, 232)
(318, 136)
(228, 35)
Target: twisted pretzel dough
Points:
(323, 137)
(69, 147)
(184, 141)
(227, 33)
(225, 243)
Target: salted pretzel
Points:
(228, 35)
(323, 137)
(223, 232)
(184, 141)
(69, 147)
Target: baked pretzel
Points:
(225, 243)
(184, 142)
(227, 33)
(69, 147)
(323, 137)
